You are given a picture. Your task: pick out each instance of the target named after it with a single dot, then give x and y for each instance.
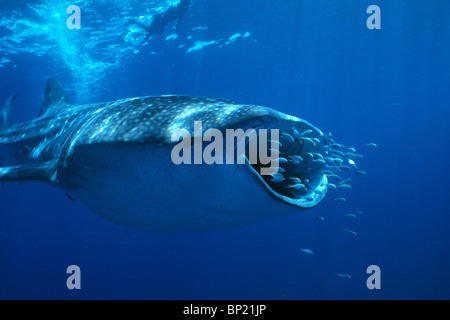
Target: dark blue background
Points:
(313, 59)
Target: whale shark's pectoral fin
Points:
(34, 172)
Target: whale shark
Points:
(115, 158)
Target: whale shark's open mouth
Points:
(300, 179)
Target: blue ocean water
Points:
(313, 59)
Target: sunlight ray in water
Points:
(89, 52)
(104, 42)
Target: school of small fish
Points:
(337, 158)
(332, 158)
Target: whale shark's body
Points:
(115, 157)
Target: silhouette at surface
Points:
(161, 20)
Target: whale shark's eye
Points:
(300, 179)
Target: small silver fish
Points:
(309, 140)
(275, 142)
(351, 232)
(336, 145)
(274, 152)
(318, 155)
(349, 154)
(344, 275)
(307, 251)
(337, 152)
(344, 186)
(319, 161)
(282, 160)
(371, 144)
(287, 136)
(297, 186)
(350, 215)
(360, 172)
(277, 177)
(296, 158)
(352, 163)
(316, 140)
(340, 199)
(296, 180)
(304, 133)
(335, 176)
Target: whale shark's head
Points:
(298, 147)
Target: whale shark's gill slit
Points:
(300, 180)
